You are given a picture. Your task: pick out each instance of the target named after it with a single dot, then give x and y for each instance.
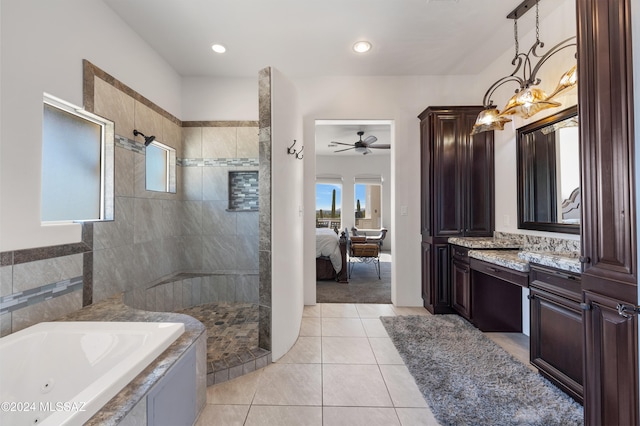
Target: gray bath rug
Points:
(469, 380)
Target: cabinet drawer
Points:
(562, 283)
(506, 274)
(460, 253)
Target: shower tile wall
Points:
(158, 234)
(153, 234)
(229, 239)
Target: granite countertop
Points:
(485, 242)
(507, 258)
(567, 261)
(113, 309)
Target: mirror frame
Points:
(523, 192)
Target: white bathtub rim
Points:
(104, 387)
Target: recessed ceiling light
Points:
(218, 48)
(362, 46)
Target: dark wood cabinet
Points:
(457, 191)
(608, 233)
(461, 281)
(611, 363)
(556, 337)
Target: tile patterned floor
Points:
(343, 370)
(232, 338)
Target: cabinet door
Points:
(479, 180)
(427, 276)
(461, 288)
(557, 340)
(448, 149)
(425, 177)
(605, 96)
(611, 363)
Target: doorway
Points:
(353, 188)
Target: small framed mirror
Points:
(548, 159)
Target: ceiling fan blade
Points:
(385, 146)
(346, 149)
(342, 143)
(369, 140)
(366, 151)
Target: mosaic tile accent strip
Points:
(129, 144)
(243, 191)
(217, 162)
(32, 296)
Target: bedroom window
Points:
(368, 205)
(328, 205)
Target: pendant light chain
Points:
(537, 22)
(515, 36)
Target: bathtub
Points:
(62, 373)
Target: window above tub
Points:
(160, 168)
(77, 164)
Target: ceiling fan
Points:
(362, 146)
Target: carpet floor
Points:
(469, 380)
(363, 287)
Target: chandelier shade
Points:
(528, 102)
(489, 119)
(528, 99)
(568, 81)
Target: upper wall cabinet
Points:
(457, 174)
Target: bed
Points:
(331, 255)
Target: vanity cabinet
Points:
(556, 338)
(457, 192)
(609, 278)
(461, 281)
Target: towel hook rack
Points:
(292, 151)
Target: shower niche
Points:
(243, 191)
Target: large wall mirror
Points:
(548, 154)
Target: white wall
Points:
(398, 99)
(43, 45)
(286, 213)
(219, 99)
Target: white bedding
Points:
(328, 244)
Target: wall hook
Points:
(292, 151)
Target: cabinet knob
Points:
(585, 259)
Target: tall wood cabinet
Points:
(457, 193)
(609, 279)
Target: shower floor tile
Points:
(232, 339)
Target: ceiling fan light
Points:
(528, 102)
(568, 81)
(489, 119)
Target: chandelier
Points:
(528, 99)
